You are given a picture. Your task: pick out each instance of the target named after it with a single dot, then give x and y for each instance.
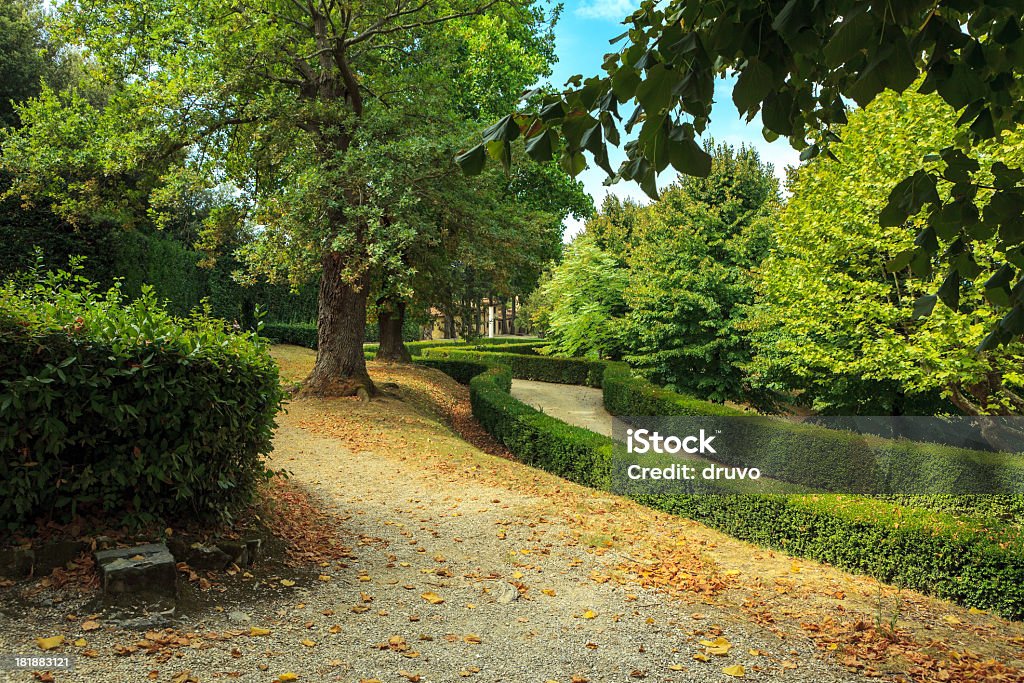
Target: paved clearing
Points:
(464, 566)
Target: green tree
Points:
(840, 322)
(800, 64)
(690, 275)
(21, 60)
(284, 102)
(579, 303)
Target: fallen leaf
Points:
(414, 678)
(432, 598)
(288, 677)
(90, 625)
(736, 671)
(309, 643)
(287, 583)
(81, 642)
(701, 657)
(257, 631)
(473, 639)
(951, 619)
(589, 614)
(334, 629)
(548, 592)
(50, 643)
(719, 646)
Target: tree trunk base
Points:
(339, 387)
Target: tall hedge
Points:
(115, 407)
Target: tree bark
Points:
(340, 368)
(390, 320)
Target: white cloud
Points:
(616, 10)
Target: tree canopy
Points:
(801, 65)
(836, 324)
(325, 128)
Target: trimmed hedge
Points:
(527, 348)
(537, 439)
(115, 407)
(297, 334)
(539, 368)
(956, 558)
(967, 559)
(824, 458)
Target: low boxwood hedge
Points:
(298, 334)
(538, 439)
(970, 560)
(823, 458)
(115, 407)
(539, 368)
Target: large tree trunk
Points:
(340, 368)
(390, 319)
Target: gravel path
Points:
(576, 405)
(519, 601)
(464, 566)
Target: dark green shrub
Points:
(116, 407)
(539, 368)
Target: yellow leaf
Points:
(675, 667)
(951, 619)
(257, 631)
(701, 657)
(288, 677)
(50, 643)
(589, 614)
(334, 629)
(736, 671)
(517, 575)
(732, 572)
(90, 625)
(81, 642)
(432, 597)
(365, 579)
(754, 652)
(325, 577)
(308, 643)
(975, 610)
(549, 592)
(287, 583)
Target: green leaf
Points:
(689, 158)
(541, 147)
(472, 161)
(755, 81)
(949, 291)
(505, 130)
(924, 306)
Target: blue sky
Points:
(581, 41)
